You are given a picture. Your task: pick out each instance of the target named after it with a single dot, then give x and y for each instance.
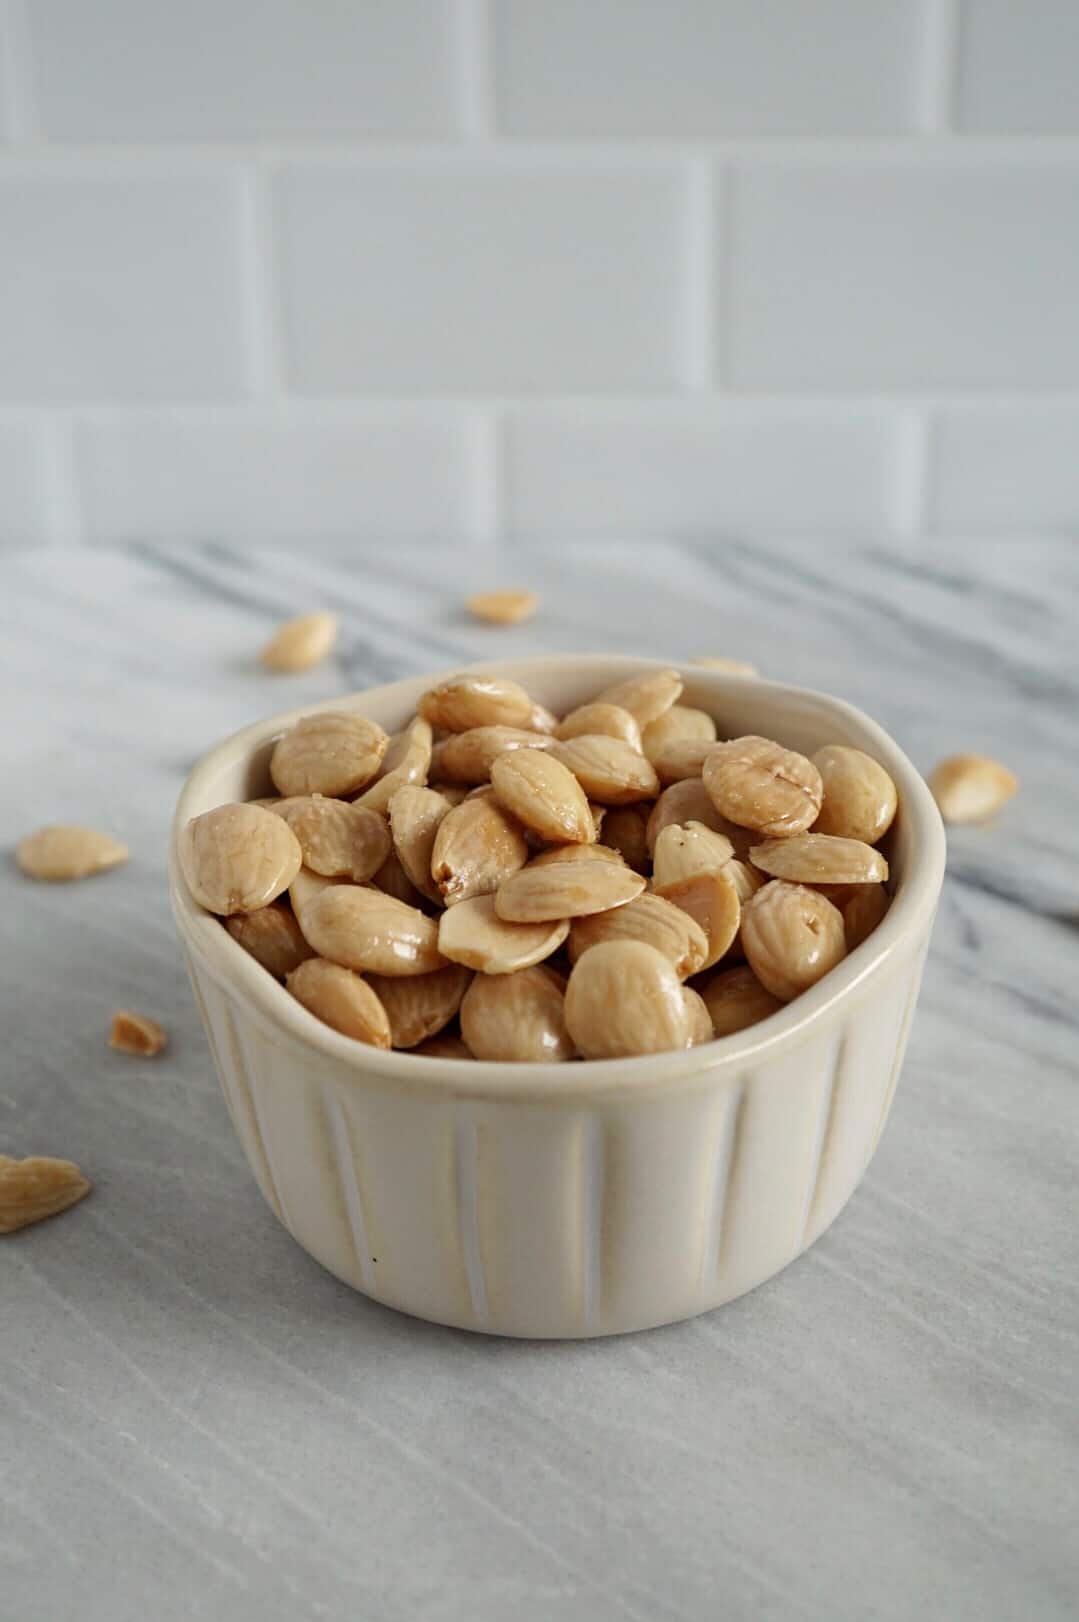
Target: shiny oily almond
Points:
(365, 929)
(340, 998)
(338, 840)
(759, 784)
(700, 1020)
(566, 890)
(66, 851)
(544, 795)
(684, 849)
(272, 937)
(625, 998)
(859, 796)
(36, 1188)
(649, 918)
(330, 753)
(305, 887)
(447, 1045)
(238, 857)
(681, 759)
(467, 701)
(736, 1000)
(420, 1005)
(301, 643)
(473, 934)
(820, 859)
(646, 697)
(502, 607)
(608, 770)
(624, 833)
(542, 720)
(711, 900)
(407, 760)
(517, 1018)
(601, 721)
(137, 1034)
(477, 846)
(575, 853)
(971, 788)
(468, 757)
(863, 909)
(392, 880)
(792, 937)
(680, 724)
(415, 817)
(689, 801)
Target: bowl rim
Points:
(234, 970)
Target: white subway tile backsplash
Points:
(904, 275)
(706, 67)
(1019, 66)
(616, 472)
(1007, 467)
(24, 494)
(118, 288)
(260, 477)
(155, 70)
(458, 277)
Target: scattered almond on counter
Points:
(502, 607)
(136, 1034)
(36, 1188)
(971, 788)
(66, 851)
(301, 643)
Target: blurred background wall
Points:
(485, 269)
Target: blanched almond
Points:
(392, 880)
(759, 784)
(684, 849)
(517, 1018)
(338, 840)
(478, 844)
(365, 929)
(649, 918)
(625, 998)
(700, 1020)
(303, 890)
(711, 900)
(689, 801)
(468, 701)
(608, 770)
(472, 933)
(736, 999)
(467, 757)
(542, 720)
(331, 753)
(340, 998)
(36, 1188)
(791, 936)
(300, 643)
(684, 757)
(859, 796)
(747, 880)
(137, 1034)
(566, 890)
(419, 1005)
(575, 853)
(623, 831)
(273, 938)
(971, 788)
(601, 720)
(65, 851)
(863, 908)
(407, 759)
(645, 696)
(503, 607)
(544, 795)
(452, 793)
(679, 724)
(820, 859)
(448, 1045)
(238, 857)
(415, 817)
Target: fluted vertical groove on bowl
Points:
(345, 1168)
(466, 1155)
(725, 1154)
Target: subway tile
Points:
(153, 70)
(119, 288)
(24, 493)
(1007, 467)
(464, 277)
(258, 477)
(1019, 66)
(678, 470)
(904, 275)
(706, 67)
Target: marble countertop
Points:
(196, 1421)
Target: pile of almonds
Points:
(497, 883)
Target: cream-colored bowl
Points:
(574, 1199)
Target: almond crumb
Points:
(135, 1033)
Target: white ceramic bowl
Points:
(574, 1199)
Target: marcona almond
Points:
(608, 770)
(136, 1034)
(477, 846)
(238, 857)
(366, 929)
(732, 667)
(679, 724)
(503, 607)
(407, 760)
(566, 890)
(65, 851)
(711, 900)
(623, 831)
(970, 788)
(301, 643)
(791, 936)
(544, 795)
(330, 753)
(338, 840)
(759, 784)
(452, 793)
(683, 758)
(700, 1020)
(468, 701)
(689, 801)
(392, 880)
(415, 817)
(517, 1018)
(601, 721)
(745, 878)
(304, 888)
(736, 999)
(575, 853)
(445, 1046)
(645, 696)
(542, 720)
(272, 937)
(862, 911)
(468, 757)
(859, 796)
(472, 933)
(624, 998)
(419, 1005)
(684, 849)
(339, 998)
(649, 918)
(36, 1188)
(820, 859)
